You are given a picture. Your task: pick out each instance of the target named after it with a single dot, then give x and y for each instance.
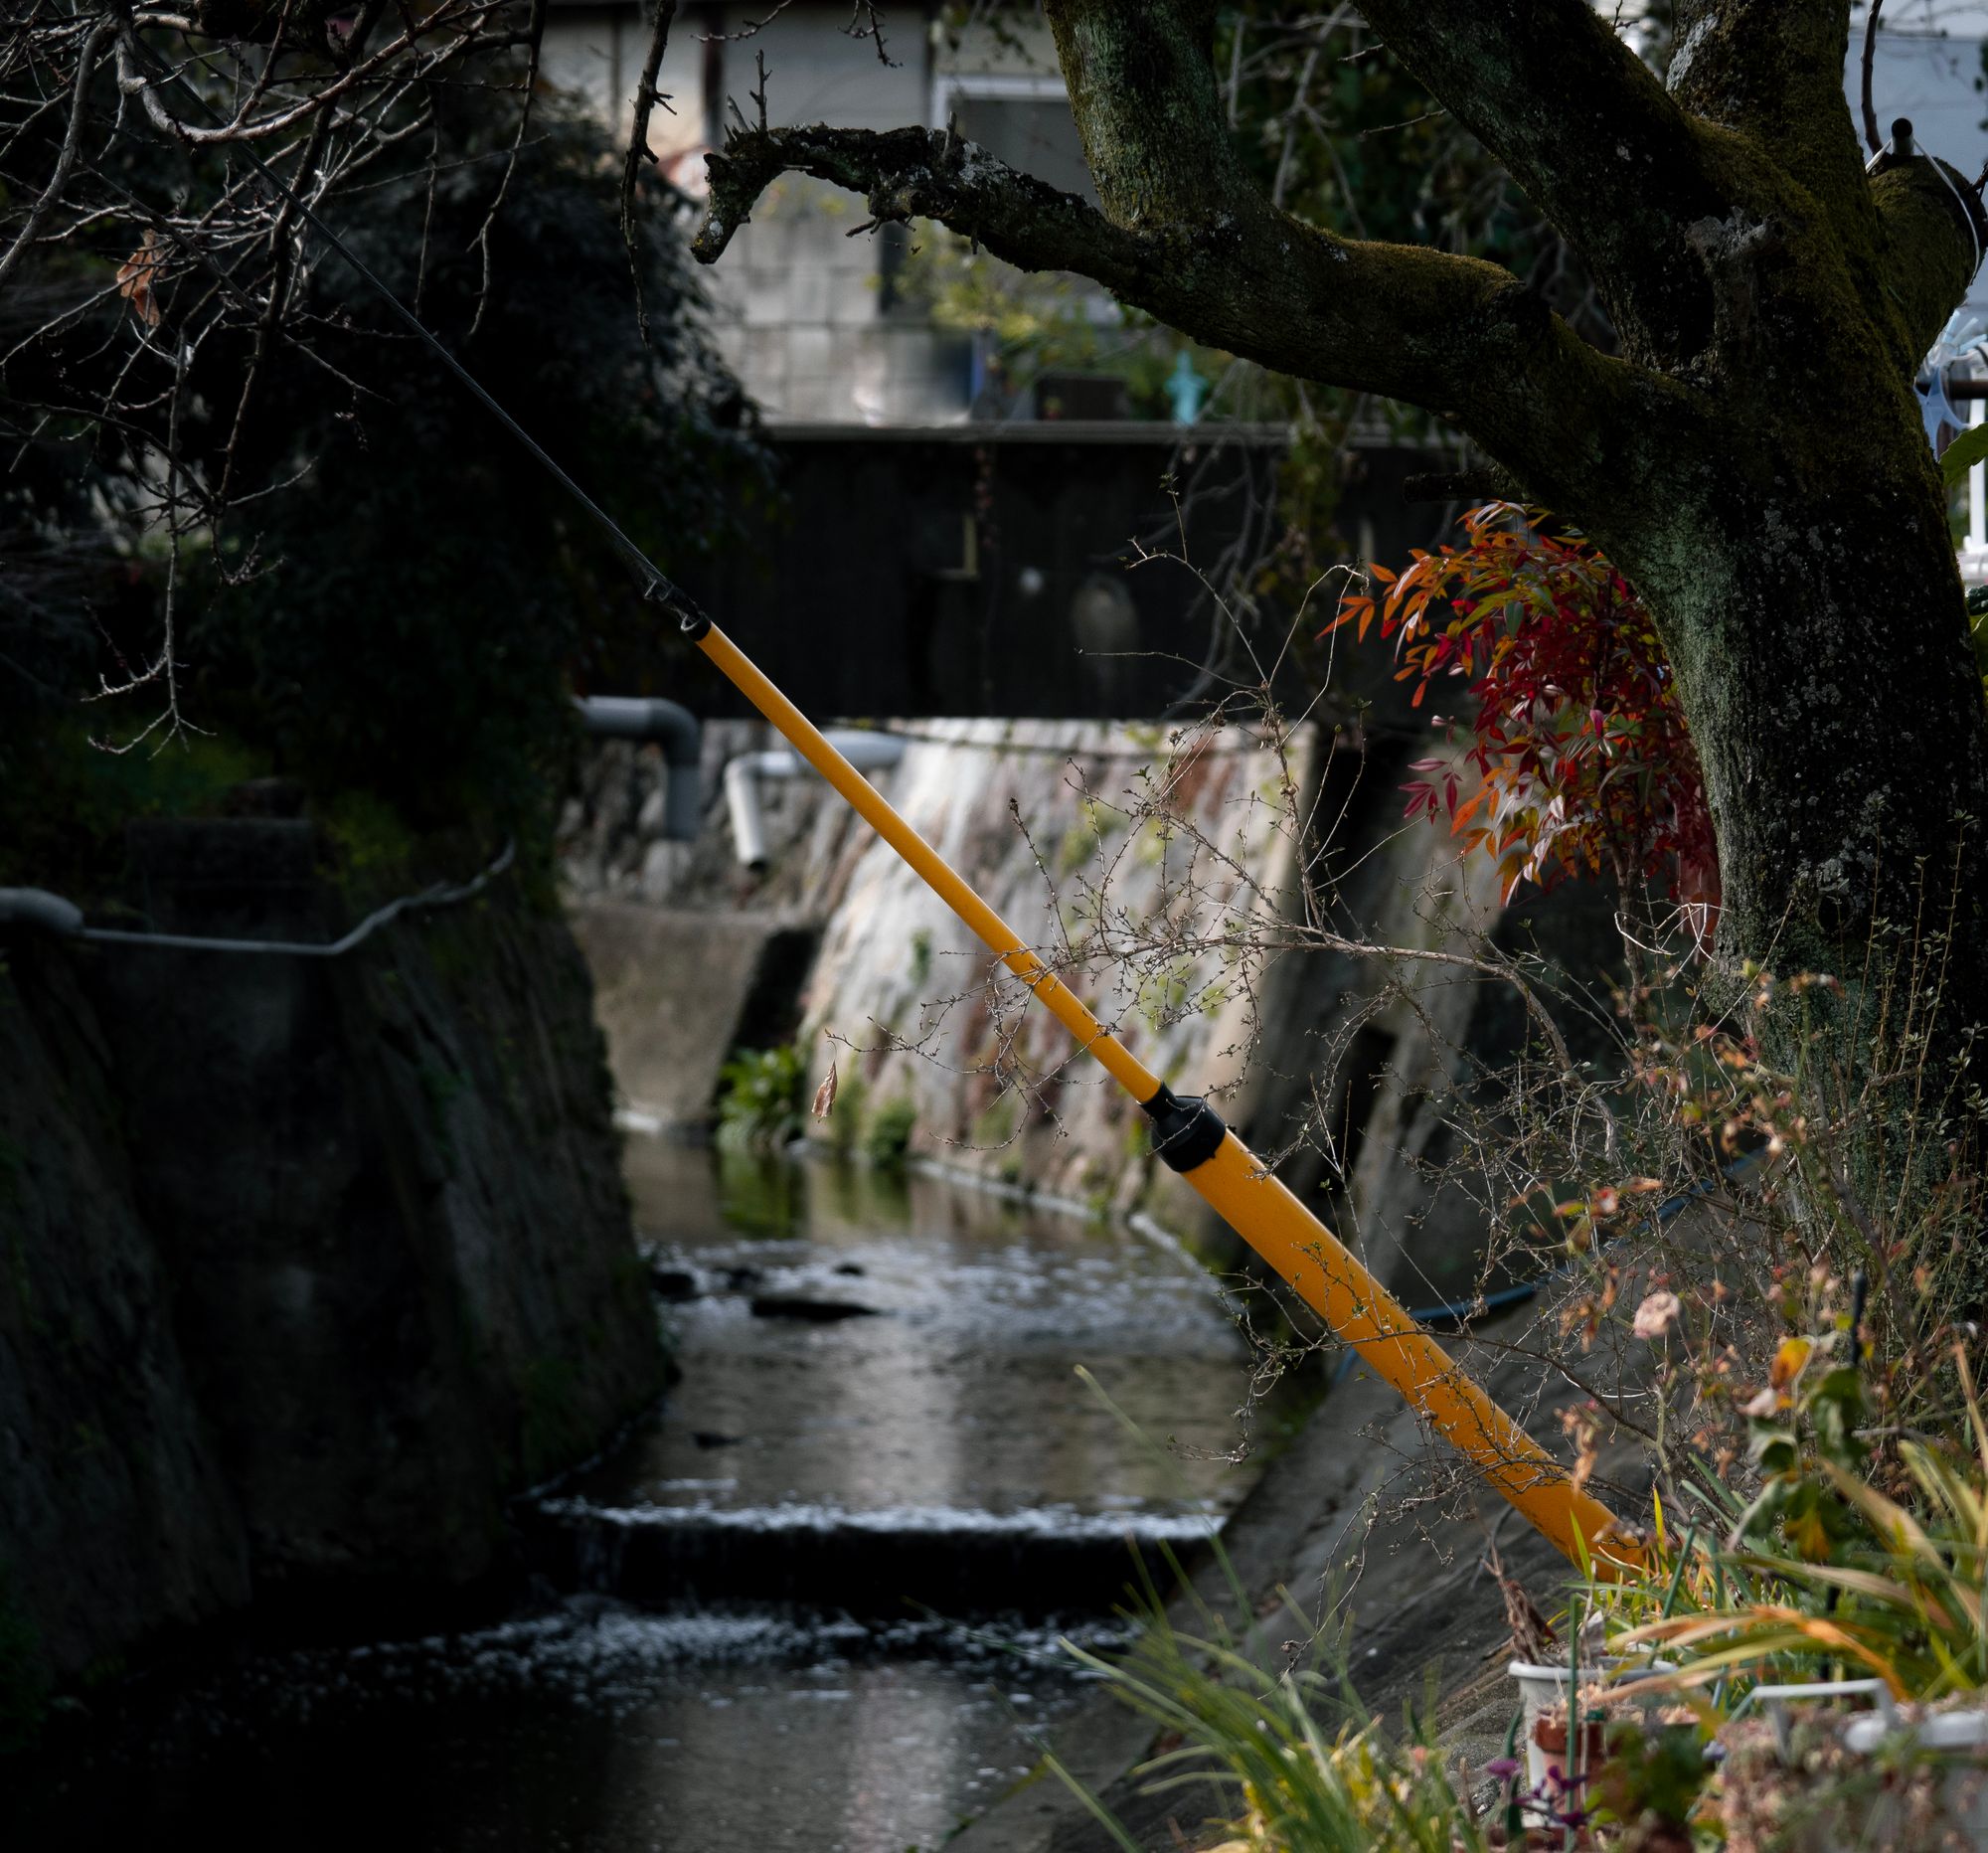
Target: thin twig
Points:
(86, 67)
(1871, 134)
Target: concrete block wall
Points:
(801, 309)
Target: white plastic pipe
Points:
(867, 752)
(1977, 492)
(36, 906)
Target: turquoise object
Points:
(1187, 389)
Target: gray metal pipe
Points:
(867, 752)
(36, 906)
(672, 727)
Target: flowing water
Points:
(813, 1603)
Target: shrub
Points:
(761, 1097)
(1578, 741)
(375, 588)
(1831, 1568)
(887, 1140)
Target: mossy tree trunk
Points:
(1752, 457)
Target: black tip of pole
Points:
(1902, 137)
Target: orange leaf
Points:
(136, 276)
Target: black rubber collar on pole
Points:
(686, 610)
(1187, 1133)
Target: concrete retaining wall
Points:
(308, 1263)
(1144, 862)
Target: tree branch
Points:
(51, 196)
(1872, 140)
(1934, 233)
(1461, 337)
(1772, 69)
(1585, 127)
(648, 97)
(1148, 105)
(910, 173)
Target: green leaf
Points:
(1966, 450)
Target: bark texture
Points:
(1752, 459)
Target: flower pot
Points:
(1549, 1739)
(1543, 1689)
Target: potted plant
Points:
(1827, 1569)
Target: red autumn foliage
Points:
(1578, 742)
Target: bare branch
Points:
(1455, 335)
(648, 97)
(280, 288)
(750, 29)
(38, 215)
(1871, 139)
(535, 32)
(874, 31)
(444, 31)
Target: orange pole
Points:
(1234, 1182)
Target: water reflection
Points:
(595, 1725)
(863, 1759)
(592, 1730)
(956, 1385)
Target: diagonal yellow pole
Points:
(1191, 1137)
(1188, 1135)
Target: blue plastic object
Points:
(1187, 389)
(1965, 334)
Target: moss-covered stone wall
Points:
(307, 1264)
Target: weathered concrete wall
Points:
(116, 1520)
(1137, 861)
(1088, 837)
(310, 1262)
(611, 845)
(691, 955)
(674, 990)
(1146, 860)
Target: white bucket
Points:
(1542, 1689)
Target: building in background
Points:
(810, 310)
(816, 322)
(953, 538)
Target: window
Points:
(1023, 120)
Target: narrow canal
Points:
(814, 1603)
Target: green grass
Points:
(761, 1097)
